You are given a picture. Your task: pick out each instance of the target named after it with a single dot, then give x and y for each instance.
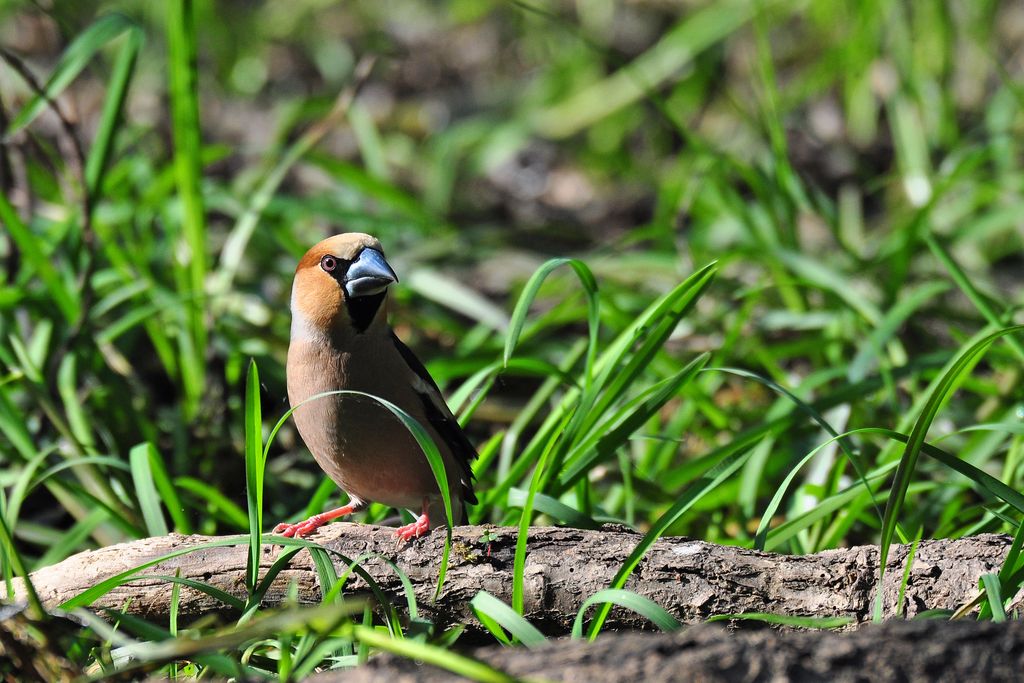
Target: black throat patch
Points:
(363, 309)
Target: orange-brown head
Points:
(341, 282)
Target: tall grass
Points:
(743, 268)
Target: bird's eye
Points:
(329, 263)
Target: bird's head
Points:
(341, 284)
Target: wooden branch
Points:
(926, 650)
(692, 579)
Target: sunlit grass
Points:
(793, 272)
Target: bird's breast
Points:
(357, 441)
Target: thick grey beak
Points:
(368, 274)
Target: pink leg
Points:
(300, 529)
(417, 528)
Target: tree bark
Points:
(925, 651)
(691, 579)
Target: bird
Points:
(341, 340)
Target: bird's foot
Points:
(414, 530)
(300, 529)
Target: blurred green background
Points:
(854, 168)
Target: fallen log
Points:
(926, 651)
(693, 580)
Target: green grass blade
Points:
(37, 257)
(873, 346)
(75, 58)
(512, 471)
(23, 484)
(905, 472)
(12, 425)
(407, 587)
(430, 654)
(787, 620)
(326, 570)
(528, 295)
(525, 518)
(173, 615)
(490, 609)
(905, 579)
(1014, 561)
(426, 444)
(184, 95)
(970, 291)
(113, 103)
(645, 607)
(848, 450)
(168, 494)
(221, 596)
(821, 277)
(693, 493)
(984, 480)
(330, 586)
(14, 566)
(553, 508)
(254, 464)
(606, 438)
(90, 595)
(1011, 574)
(74, 407)
(846, 497)
(264, 584)
(620, 365)
(457, 296)
(235, 245)
(458, 401)
(696, 32)
(368, 138)
(761, 535)
(994, 596)
(616, 371)
(28, 362)
(71, 540)
(1007, 427)
(217, 501)
(323, 618)
(140, 458)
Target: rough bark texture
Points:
(692, 579)
(925, 651)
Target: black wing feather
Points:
(443, 421)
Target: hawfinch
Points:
(340, 339)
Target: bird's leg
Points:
(417, 528)
(300, 529)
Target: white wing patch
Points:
(420, 386)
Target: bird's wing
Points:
(440, 417)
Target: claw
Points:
(414, 530)
(299, 529)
